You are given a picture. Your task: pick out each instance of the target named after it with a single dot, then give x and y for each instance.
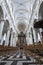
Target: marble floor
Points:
(19, 58)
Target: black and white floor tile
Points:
(19, 58)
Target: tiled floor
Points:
(19, 58)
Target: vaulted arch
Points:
(6, 26)
(21, 26)
(1, 13)
(41, 10)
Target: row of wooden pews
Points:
(36, 51)
(4, 50)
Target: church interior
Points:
(21, 32)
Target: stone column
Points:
(32, 35)
(40, 32)
(27, 38)
(30, 38)
(14, 40)
(11, 42)
(36, 35)
(10, 37)
(3, 39)
(7, 37)
(42, 36)
(1, 29)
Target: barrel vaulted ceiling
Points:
(21, 11)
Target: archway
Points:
(1, 23)
(1, 13)
(41, 11)
(5, 28)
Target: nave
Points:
(21, 32)
(19, 58)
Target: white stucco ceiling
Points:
(21, 10)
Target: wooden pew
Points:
(4, 50)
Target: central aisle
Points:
(20, 58)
